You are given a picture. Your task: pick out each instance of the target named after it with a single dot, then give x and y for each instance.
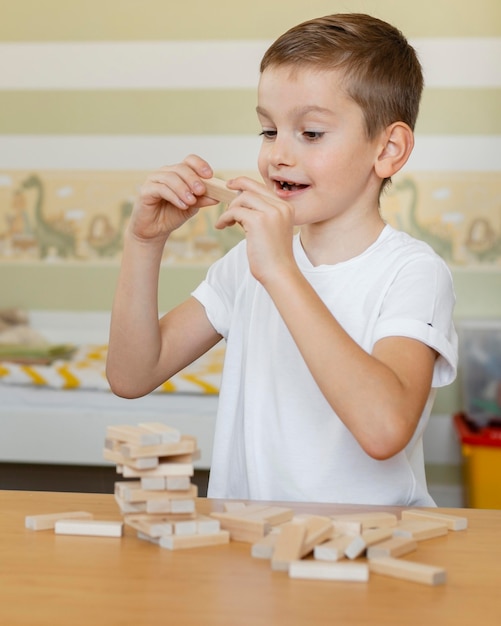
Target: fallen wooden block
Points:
(419, 529)
(396, 546)
(318, 530)
(289, 545)
(217, 190)
(408, 570)
(47, 521)
(181, 542)
(355, 523)
(264, 548)
(359, 544)
(453, 522)
(273, 515)
(91, 528)
(242, 528)
(333, 549)
(322, 570)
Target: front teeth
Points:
(285, 185)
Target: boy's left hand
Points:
(268, 223)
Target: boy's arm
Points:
(378, 396)
(143, 352)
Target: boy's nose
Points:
(281, 153)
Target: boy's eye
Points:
(312, 134)
(268, 134)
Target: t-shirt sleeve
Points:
(419, 304)
(218, 292)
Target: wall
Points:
(94, 94)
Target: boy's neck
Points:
(338, 243)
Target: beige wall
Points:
(70, 128)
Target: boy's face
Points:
(315, 152)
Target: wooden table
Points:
(48, 579)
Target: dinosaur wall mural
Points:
(80, 216)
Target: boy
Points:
(336, 336)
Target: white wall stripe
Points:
(234, 152)
(112, 152)
(449, 62)
(133, 65)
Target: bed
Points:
(58, 412)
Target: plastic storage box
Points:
(480, 369)
(481, 450)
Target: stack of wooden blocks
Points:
(158, 499)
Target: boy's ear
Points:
(397, 142)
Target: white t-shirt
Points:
(276, 436)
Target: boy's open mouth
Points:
(288, 186)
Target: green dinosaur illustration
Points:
(49, 238)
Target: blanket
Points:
(85, 369)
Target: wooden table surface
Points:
(53, 579)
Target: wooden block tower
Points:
(158, 498)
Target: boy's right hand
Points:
(168, 198)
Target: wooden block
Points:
(289, 545)
(163, 469)
(91, 528)
(180, 542)
(187, 445)
(153, 483)
(177, 483)
(360, 543)
(419, 529)
(206, 525)
(186, 527)
(153, 526)
(217, 190)
(273, 515)
(133, 434)
(168, 434)
(408, 570)
(395, 547)
(47, 521)
(355, 523)
(318, 530)
(264, 548)
(230, 507)
(117, 457)
(322, 570)
(333, 549)
(145, 537)
(242, 528)
(130, 507)
(182, 505)
(142, 495)
(453, 522)
(167, 505)
(156, 525)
